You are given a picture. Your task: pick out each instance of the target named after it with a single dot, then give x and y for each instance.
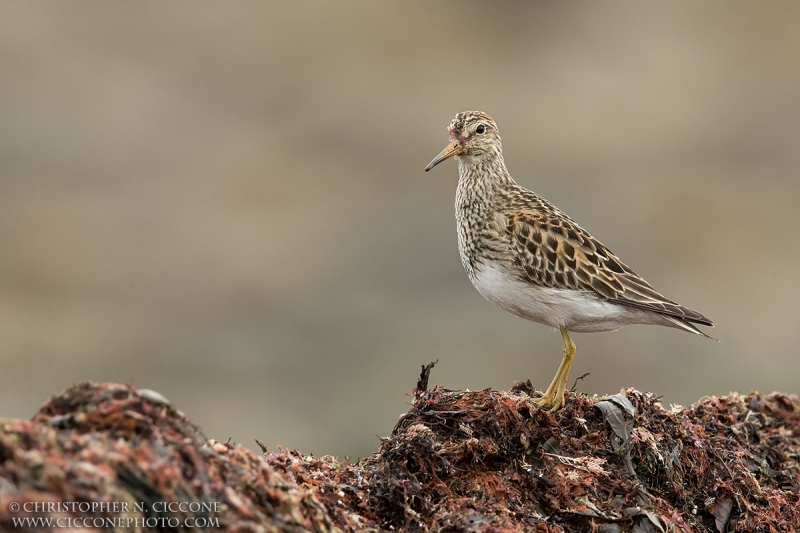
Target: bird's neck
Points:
(483, 178)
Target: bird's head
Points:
(473, 134)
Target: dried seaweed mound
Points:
(457, 461)
(154, 470)
(492, 461)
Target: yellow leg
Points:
(554, 395)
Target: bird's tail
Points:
(686, 326)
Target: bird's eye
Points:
(481, 129)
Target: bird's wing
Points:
(551, 250)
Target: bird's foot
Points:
(554, 401)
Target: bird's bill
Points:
(454, 148)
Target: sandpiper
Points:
(529, 258)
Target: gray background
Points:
(225, 201)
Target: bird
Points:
(531, 259)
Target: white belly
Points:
(579, 311)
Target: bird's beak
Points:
(454, 148)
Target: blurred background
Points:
(225, 202)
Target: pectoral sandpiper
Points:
(528, 257)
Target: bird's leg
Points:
(547, 398)
(569, 355)
(554, 395)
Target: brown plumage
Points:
(528, 257)
(550, 250)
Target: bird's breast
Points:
(478, 239)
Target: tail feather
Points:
(686, 326)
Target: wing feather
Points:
(551, 250)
